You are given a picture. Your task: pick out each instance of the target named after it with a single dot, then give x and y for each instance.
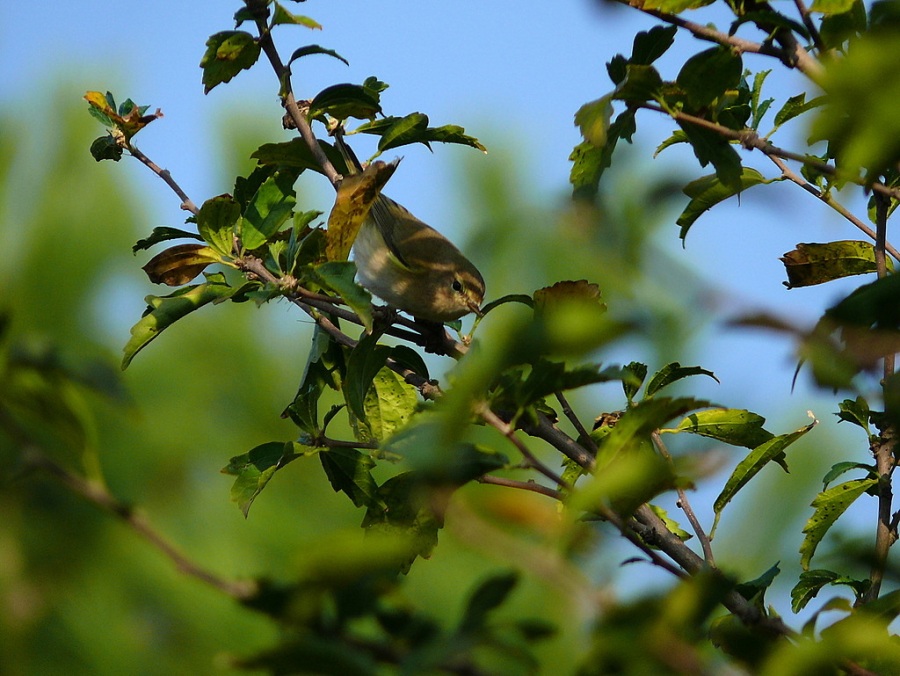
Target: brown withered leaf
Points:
(581, 290)
(179, 264)
(354, 199)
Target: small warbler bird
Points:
(413, 267)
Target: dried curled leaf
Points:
(355, 197)
(180, 264)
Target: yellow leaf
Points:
(355, 197)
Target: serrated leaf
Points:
(489, 595)
(796, 105)
(708, 191)
(296, 154)
(631, 385)
(737, 427)
(842, 467)
(856, 412)
(315, 49)
(217, 221)
(255, 468)
(163, 234)
(812, 263)
(388, 404)
(127, 120)
(759, 457)
(671, 525)
(812, 581)
(674, 372)
(674, 6)
(829, 505)
(678, 136)
(227, 54)
(708, 74)
(268, 209)
(349, 471)
(166, 310)
(281, 16)
(180, 264)
(649, 45)
(343, 101)
(593, 120)
(589, 161)
(634, 427)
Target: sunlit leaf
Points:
(829, 505)
(708, 191)
(281, 16)
(737, 427)
(166, 310)
(227, 54)
(354, 200)
(267, 210)
(759, 457)
(217, 222)
(338, 276)
(813, 263)
(389, 403)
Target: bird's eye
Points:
(457, 285)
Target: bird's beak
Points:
(473, 306)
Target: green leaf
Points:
(637, 423)
(674, 6)
(707, 75)
(388, 404)
(674, 372)
(593, 120)
(759, 109)
(831, 7)
(489, 595)
(547, 377)
(349, 471)
(769, 20)
(812, 581)
(631, 385)
(796, 105)
(166, 310)
(106, 148)
(338, 276)
(737, 427)
(267, 210)
(708, 191)
(296, 154)
(404, 510)
(413, 128)
(876, 304)
(217, 222)
(255, 468)
(759, 457)
(856, 412)
(678, 136)
(842, 467)
(315, 49)
(671, 525)
(649, 45)
(342, 101)
(227, 54)
(829, 505)
(755, 590)
(365, 361)
(641, 83)
(812, 263)
(590, 161)
(281, 16)
(710, 147)
(163, 234)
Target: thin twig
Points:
(545, 429)
(509, 432)
(791, 53)
(803, 11)
(884, 448)
(532, 486)
(828, 199)
(97, 495)
(753, 141)
(576, 422)
(685, 505)
(186, 202)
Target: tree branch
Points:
(97, 495)
(186, 203)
